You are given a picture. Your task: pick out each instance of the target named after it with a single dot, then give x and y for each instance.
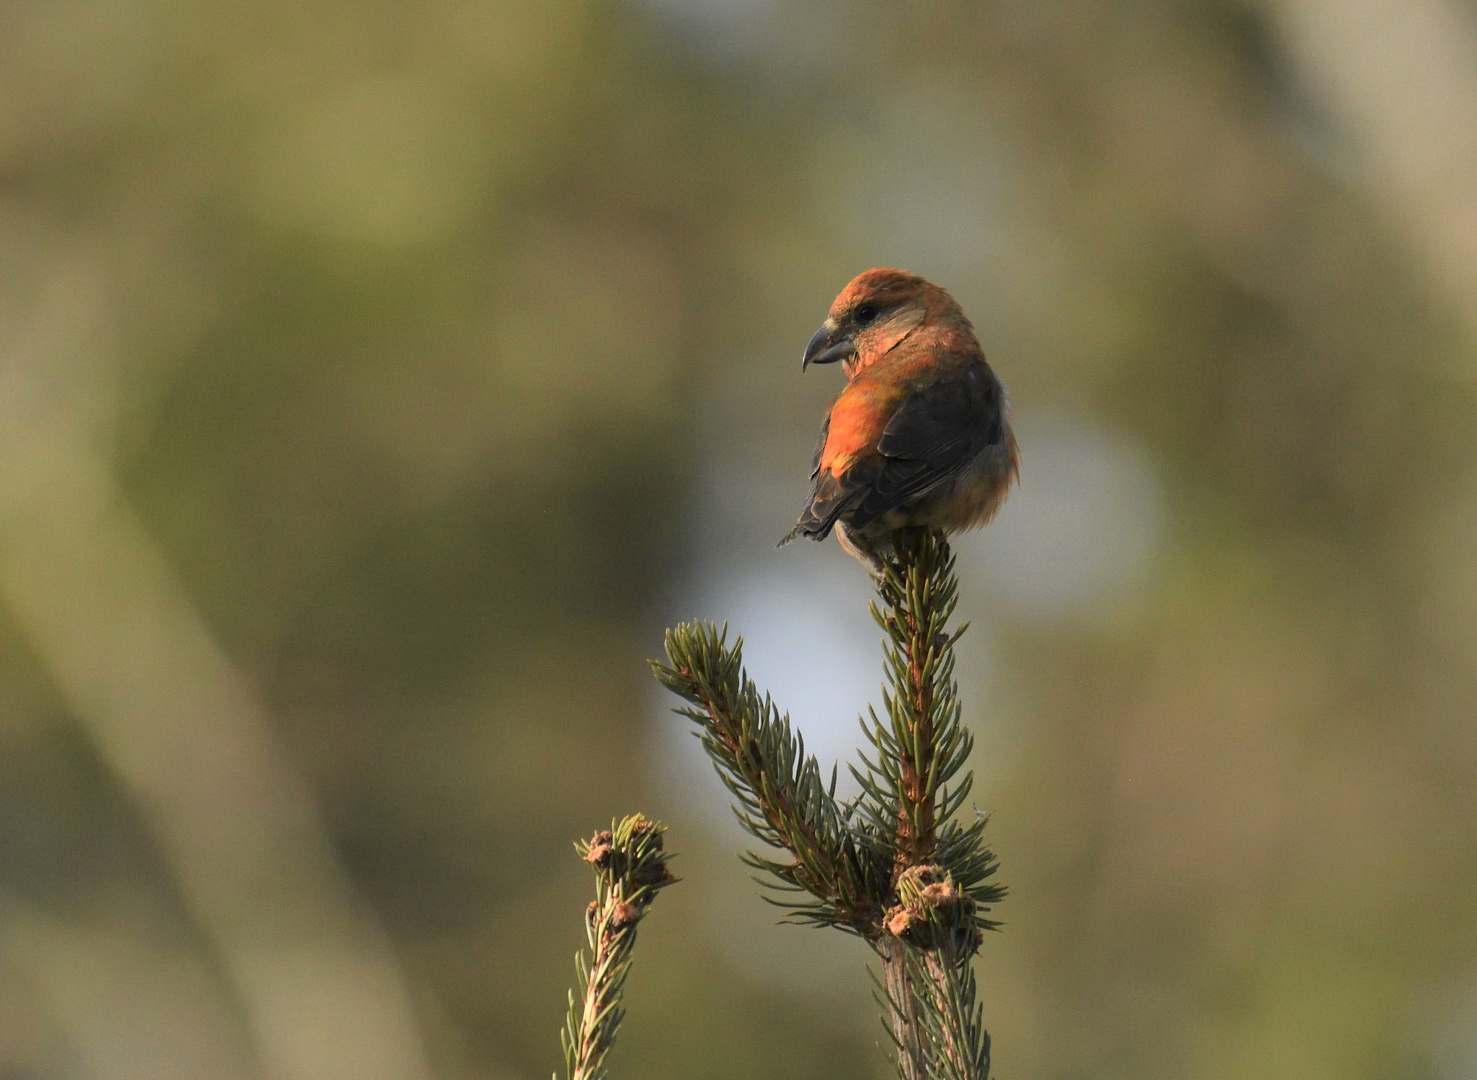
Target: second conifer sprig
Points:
(630, 864)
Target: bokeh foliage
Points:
(395, 347)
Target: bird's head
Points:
(874, 313)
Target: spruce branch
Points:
(897, 866)
(780, 798)
(941, 869)
(630, 868)
(906, 795)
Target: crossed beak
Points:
(828, 345)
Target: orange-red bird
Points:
(921, 434)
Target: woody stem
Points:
(916, 813)
(902, 1007)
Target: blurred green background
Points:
(377, 380)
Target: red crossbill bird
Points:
(920, 436)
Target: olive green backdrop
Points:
(378, 379)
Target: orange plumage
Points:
(920, 436)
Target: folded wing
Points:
(934, 433)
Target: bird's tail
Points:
(810, 527)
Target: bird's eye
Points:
(866, 313)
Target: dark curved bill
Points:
(827, 345)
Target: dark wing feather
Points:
(820, 446)
(828, 498)
(933, 435)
